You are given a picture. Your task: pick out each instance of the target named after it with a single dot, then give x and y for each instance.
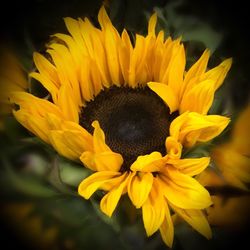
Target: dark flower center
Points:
(135, 121)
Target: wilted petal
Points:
(148, 163)
(190, 128)
(174, 148)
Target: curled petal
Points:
(174, 148)
(148, 163)
(102, 161)
(190, 128)
(89, 185)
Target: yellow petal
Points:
(36, 125)
(88, 159)
(66, 69)
(219, 73)
(103, 18)
(108, 161)
(167, 228)
(99, 138)
(50, 86)
(34, 105)
(166, 94)
(151, 24)
(190, 167)
(57, 139)
(184, 191)
(174, 148)
(102, 161)
(190, 128)
(86, 84)
(197, 69)
(137, 62)
(111, 199)
(67, 104)
(139, 187)
(112, 40)
(196, 219)
(148, 163)
(77, 141)
(74, 29)
(46, 69)
(153, 210)
(198, 99)
(125, 52)
(176, 71)
(89, 185)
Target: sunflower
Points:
(12, 78)
(231, 200)
(126, 109)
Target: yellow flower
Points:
(12, 78)
(233, 157)
(231, 187)
(125, 109)
(22, 220)
(230, 207)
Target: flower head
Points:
(230, 188)
(12, 78)
(125, 110)
(233, 158)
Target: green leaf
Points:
(27, 185)
(55, 178)
(72, 174)
(190, 28)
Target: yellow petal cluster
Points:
(154, 183)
